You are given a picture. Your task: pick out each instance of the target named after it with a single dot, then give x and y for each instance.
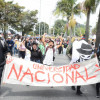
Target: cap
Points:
(34, 43)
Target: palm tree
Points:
(67, 8)
(72, 23)
(98, 33)
(90, 7)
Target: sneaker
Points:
(73, 87)
(79, 92)
(51, 86)
(97, 96)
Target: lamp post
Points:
(44, 27)
(40, 18)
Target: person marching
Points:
(3, 53)
(42, 48)
(97, 54)
(10, 43)
(50, 51)
(22, 49)
(36, 54)
(83, 53)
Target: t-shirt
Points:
(42, 48)
(48, 60)
(65, 45)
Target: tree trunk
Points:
(71, 32)
(87, 26)
(98, 33)
(65, 35)
(5, 34)
(23, 33)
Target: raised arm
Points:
(60, 42)
(26, 44)
(43, 40)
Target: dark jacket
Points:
(10, 44)
(35, 54)
(3, 52)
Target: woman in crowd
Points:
(22, 50)
(36, 54)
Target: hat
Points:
(9, 37)
(85, 49)
(51, 41)
(34, 43)
(16, 39)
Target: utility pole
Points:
(40, 19)
(53, 31)
(44, 27)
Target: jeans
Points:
(37, 61)
(22, 54)
(97, 88)
(60, 49)
(64, 51)
(15, 50)
(11, 51)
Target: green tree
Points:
(80, 31)
(72, 24)
(15, 16)
(26, 22)
(59, 27)
(89, 7)
(44, 28)
(94, 30)
(67, 8)
(9, 13)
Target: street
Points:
(18, 92)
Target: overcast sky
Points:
(47, 8)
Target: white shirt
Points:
(48, 60)
(75, 54)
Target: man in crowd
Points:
(50, 50)
(10, 43)
(3, 52)
(65, 47)
(42, 48)
(36, 54)
(81, 51)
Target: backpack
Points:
(53, 52)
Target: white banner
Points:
(18, 71)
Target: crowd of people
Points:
(37, 49)
(42, 50)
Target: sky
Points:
(46, 8)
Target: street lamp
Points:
(40, 18)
